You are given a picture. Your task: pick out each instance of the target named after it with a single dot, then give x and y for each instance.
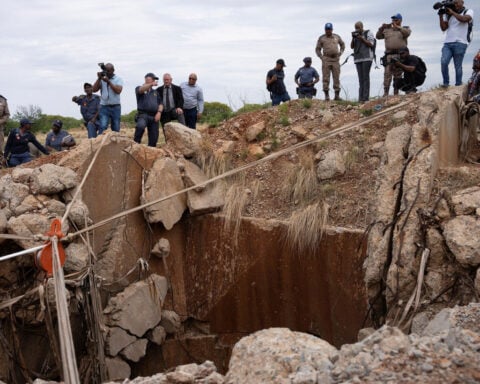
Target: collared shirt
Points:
(148, 101)
(88, 107)
(192, 96)
(108, 95)
(306, 75)
(17, 142)
(54, 140)
(328, 46)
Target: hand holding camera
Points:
(103, 74)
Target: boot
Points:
(395, 91)
(385, 92)
(327, 97)
(337, 95)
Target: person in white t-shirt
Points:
(455, 21)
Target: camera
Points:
(394, 60)
(103, 68)
(355, 34)
(442, 6)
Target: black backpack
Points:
(470, 27)
(365, 33)
(421, 71)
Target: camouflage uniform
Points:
(4, 115)
(395, 38)
(327, 50)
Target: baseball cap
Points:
(25, 121)
(152, 75)
(307, 60)
(328, 26)
(397, 16)
(58, 123)
(281, 61)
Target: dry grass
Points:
(235, 200)
(301, 185)
(306, 227)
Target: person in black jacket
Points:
(16, 149)
(172, 101)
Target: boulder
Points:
(12, 194)
(139, 307)
(277, 353)
(76, 257)
(193, 175)
(157, 335)
(51, 178)
(461, 236)
(135, 351)
(465, 317)
(79, 214)
(399, 117)
(226, 146)
(170, 321)
(211, 199)
(185, 140)
(164, 179)
(467, 201)
(254, 130)
(23, 175)
(161, 248)
(256, 150)
(117, 369)
(116, 340)
(331, 166)
(327, 117)
(300, 132)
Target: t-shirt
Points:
(108, 96)
(277, 87)
(457, 31)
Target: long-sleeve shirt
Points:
(17, 142)
(192, 96)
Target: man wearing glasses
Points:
(192, 101)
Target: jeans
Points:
(277, 99)
(19, 158)
(92, 129)
(191, 117)
(457, 51)
(363, 71)
(109, 113)
(146, 121)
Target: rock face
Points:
(163, 180)
(139, 307)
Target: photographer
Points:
(395, 38)
(306, 78)
(413, 70)
(454, 18)
(362, 45)
(110, 86)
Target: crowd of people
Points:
(405, 70)
(158, 105)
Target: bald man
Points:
(192, 101)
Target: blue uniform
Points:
(54, 140)
(16, 148)
(89, 108)
(147, 106)
(305, 77)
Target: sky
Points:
(50, 48)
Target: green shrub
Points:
(307, 103)
(252, 108)
(214, 113)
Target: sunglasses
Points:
(192, 78)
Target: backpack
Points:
(421, 71)
(365, 33)
(470, 27)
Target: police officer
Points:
(149, 106)
(306, 78)
(4, 115)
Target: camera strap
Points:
(346, 59)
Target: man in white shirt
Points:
(456, 22)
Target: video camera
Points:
(103, 68)
(355, 34)
(394, 60)
(442, 6)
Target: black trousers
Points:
(146, 121)
(363, 71)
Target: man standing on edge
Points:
(89, 108)
(456, 23)
(110, 86)
(149, 110)
(395, 38)
(362, 45)
(192, 101)
(306, 78)
(4, 115)
(172, 97)
(275, 84)
(327, 50)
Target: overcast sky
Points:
(50, 48)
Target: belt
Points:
(146, 113)
(110, 105)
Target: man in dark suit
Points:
(172, 97)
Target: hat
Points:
(57, 123)
(68, 141)
(403, 49)
(307, 60)
(25, 121)
(397, 16)
(328, 26)
(281, 61)
(152, 75)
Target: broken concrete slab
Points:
(170, 321)
(211, 199)
(116, 340)
(157, 335)
(135, 351)
(161, 248)
(185, 140)
(193, 175)
(461, 236)
(117, 369)
(77, 257)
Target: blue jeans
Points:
(147, 121)
(109, 113)
(92, 129)
(19, 158)
(190, 117)
(277, 99)
(457, 51)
